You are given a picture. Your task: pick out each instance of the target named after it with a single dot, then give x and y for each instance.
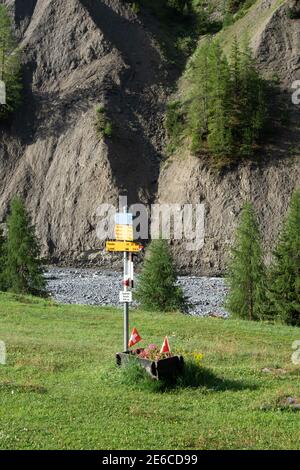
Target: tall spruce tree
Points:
(24, 271)
(10, 65)
(219, 134)
(246, 276)
(157, 289)
(284, 290)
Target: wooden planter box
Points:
(164, 369)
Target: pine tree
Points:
(3, 285)
(246, 278)
(10, 66)
(24, 271)
(253, 101)
(198, 109)
(219, 134)
(157, 289)
(284, 291)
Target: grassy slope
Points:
(61, 389)
(250, 25)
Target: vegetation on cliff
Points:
(226, 113)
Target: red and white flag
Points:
(134, 338)
(165, 347)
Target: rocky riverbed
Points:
(94, 287)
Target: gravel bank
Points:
(93, 287)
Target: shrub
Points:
(103, 125)
(294, 13)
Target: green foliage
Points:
(284, 291)
(2, 260)
(235, 9)
(10, 66)
(69, 351)
(294, 12)
(227, 112)
(157, 287)
(182, 21)
(23, 267)
(164, 9)
(246, 277)
(103, 124)
(134, 375)
(174, 124)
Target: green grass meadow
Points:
(61, 389)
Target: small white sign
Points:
(125, 296)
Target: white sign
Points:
(125, 296)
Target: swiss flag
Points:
(134, 338)
(165, 347)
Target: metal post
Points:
(126, 304)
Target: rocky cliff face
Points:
(78, 54)
(81, 53)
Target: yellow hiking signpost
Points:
(124, 243)
(131, 247)
(124, 232)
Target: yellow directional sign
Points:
(131, 247)
(124, 232)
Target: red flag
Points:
(165, 347)
(134, 338)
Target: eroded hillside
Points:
(83, 53)
(77, 55)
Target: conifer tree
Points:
(219, 134)
(253, 101)
(284, 290)
(157, 289)
(199, 99)
(246, 276)
(24, 271)
(10, 66)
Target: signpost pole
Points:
(126, 304)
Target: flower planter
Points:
(164, 369)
